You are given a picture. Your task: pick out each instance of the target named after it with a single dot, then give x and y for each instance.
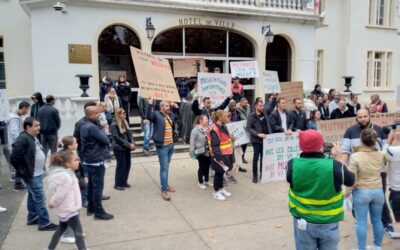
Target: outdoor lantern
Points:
(347, 82)
(150, 28)
(266, 31)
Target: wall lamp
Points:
(150, 28)
(266, 31)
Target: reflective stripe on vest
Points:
(225, 143)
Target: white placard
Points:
(278, 150)
(4, 105)
(214, 85)
(271, 82)
(238, 130)
(245, 69)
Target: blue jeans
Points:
(95, 188)
(164, 154)
(36, 201)
(148, 132)
(317, 236)
(368, 199)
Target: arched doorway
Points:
(115, 56)
(279, 58)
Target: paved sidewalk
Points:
(255, 217)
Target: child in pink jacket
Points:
(65, 196)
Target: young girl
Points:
(65, 196)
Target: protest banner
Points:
(333, 130)
(113, 74)
(245, 69)
(188, 67)
(271, 82)
(154, 76)
(238, 131)
(384, 119)
(214, 85)
(278, 150)
(4, 105)
(291, 90)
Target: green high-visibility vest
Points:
(313, 196)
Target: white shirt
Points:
(283, 119)
(393, 155)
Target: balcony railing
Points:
(278, 4)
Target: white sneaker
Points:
(208, 184)
(201, 186)
(225, 193)
(106, 165)
(67, 240)
(218, 196)
(2, 209)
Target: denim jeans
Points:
(164, 154)
(368, 199)
(148, 132)
(316, 236)
(95, 188)
(36, 201)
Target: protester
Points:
(50, 123)
(315, 116)
(183, 88)
(28, 159)
(317, 91)
(324, 110)
(237, 89)
(381, 106)
(123, 144)
(270, 102)
(105, 119)
(112, 101)
(221, 152)
(366, 163)
(206, 109)
(147, 126)
(331, 94)
(342, 111)
(194, 92)
(351, 139)
(123, 89)
(105, 85)
(234, 116)
(188, 117)
(309, 104)
(353, 104)
(199, 149)
(14, 128)
(163, 121)
(244, 111)
(372, 108)
(65, 196)
(94, 151)
(298, 115)
(316, 204)
(258, 126)
(37, 104)
(280, 119)
(334, 104)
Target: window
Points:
(320, 67)
(381, 12)
(379, 70)
(2, 66)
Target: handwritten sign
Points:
(238, 130)
(278, 150)
(271, 82)
(384, 119)
(4, 105)
(244, 69)
(188, 67)
(154, 76)
(333, 130)
(291, 90)
(214, 85)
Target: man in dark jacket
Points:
(206, 109)
(105, 85)
(342, 111)
(29, 160)
(50, 124)
(258, 126)
(147, 126)
(298, 115)
(94, 151)
(38, 103)
(281, 121)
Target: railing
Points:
(276, 4)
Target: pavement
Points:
(255, 217)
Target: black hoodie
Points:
(35, 107)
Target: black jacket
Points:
(23, 156)
(77, 134)
(143, 104)
(94, 143)
(35, 107)
(50, 121)
(276, 122)
(337, 114)
(121, 141)
(324, 112)
(254, 127)
(351, 108)
(197, 111)
(299, 120)
(124, 92)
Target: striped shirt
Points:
(168, 139)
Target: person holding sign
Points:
(258, 126)
(206, 109)
(281, 121)
(221, 152)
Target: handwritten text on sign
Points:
(154, 76)
(291, 90)
(245, 69)
(238, 130)
(278, 150)
(215, 86)
(271, 82)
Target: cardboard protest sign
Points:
(154, 76)
(291, 90)
(271, 82)
(333, 130)
(244, 69)
(4, 105)
(214, 85)
(278, 150)
(188, 67)
(384, 119)
(238, 130)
